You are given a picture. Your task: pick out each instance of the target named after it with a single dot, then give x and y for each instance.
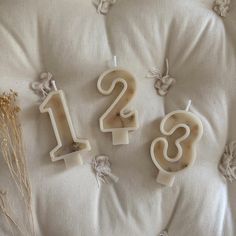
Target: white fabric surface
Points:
(71, 40)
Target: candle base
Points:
(165, 179)
(120, 137)
(72, 159)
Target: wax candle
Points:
(118, 119)
(69, 147)
(177, 150)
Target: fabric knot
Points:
(163, 81)
(44, 86)
(102, 169)
(227, 165)
(164, 233)
(103, 6)
(221, 7)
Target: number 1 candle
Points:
(177, 150)
(69, 147)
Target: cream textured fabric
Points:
(72, 41)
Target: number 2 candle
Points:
(177, 150)
(118, 119)
(69, 147)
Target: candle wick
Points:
(167, 67)
(115, 61)
(54, 85)
(188, 105)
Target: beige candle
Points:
(69, 147)
(118, 119)
(177, 150)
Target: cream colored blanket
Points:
(74, 41)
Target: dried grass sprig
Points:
(12, 150)
(6, 210)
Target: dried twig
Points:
(12, 151)
(6, 210)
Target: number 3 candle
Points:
(68, 146)
(177, 150)
(117, 119)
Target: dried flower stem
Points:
(12, 150)
(6, 211)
